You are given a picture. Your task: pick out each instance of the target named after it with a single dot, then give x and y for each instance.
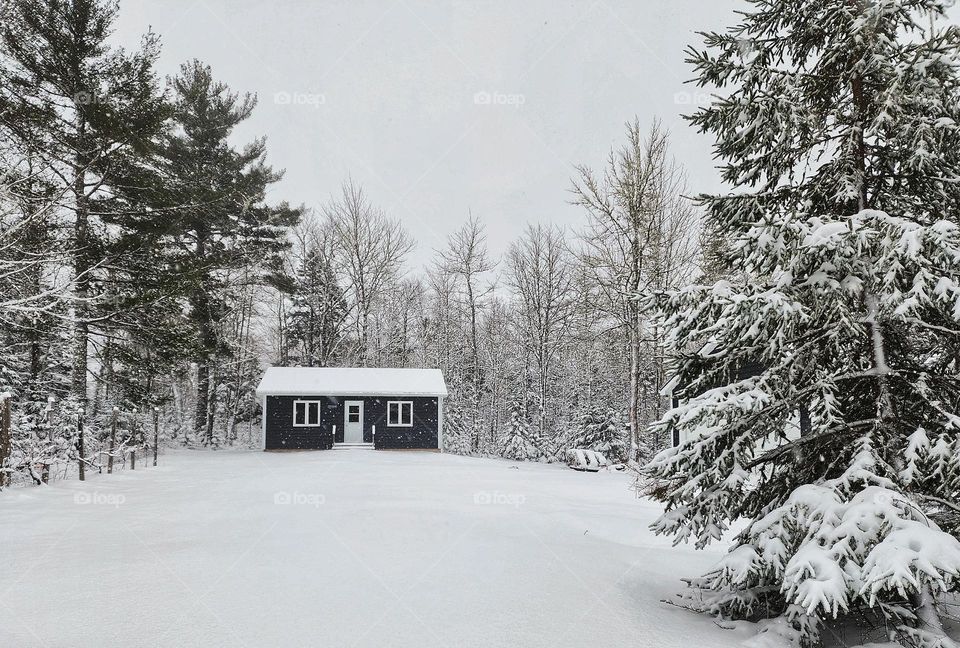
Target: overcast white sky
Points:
(387, 91)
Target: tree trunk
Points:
(928, 618)
(81, 452)
(202, 412)
(4, 441)
(178, 408)
(156, 435)
(113, 440)
(107, 372)
(477, 374)
(211, 408)
(282, 352)
(860, 145)
(204, 317)
(37, 231)
(634, 401)
(364, 342)
(542, 373)
(81, 289)
(45, 475)
(78, 377)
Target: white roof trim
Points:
(341, 381)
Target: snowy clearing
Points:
(343, 548)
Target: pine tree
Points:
(604, 432)
(819, 385)
(318, 313)
(517, 441)
(155, 346)
(83, 111)
(215, 195)
(456, 436)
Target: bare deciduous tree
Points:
(373, 248)
(465, 258)
(539, 270)
(640, 237)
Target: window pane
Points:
(400, 413)
(391, 413)
(353, 417)
(299, 413)
(313, 413)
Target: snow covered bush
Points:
(818, 380)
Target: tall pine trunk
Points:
(202, 422)
(202, 412)
(36, 234)
(5, 440)
(81, 289)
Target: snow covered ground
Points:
(342, 548)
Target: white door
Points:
(353, 422)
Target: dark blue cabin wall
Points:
(281, 433)
(423, 434)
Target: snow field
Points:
(343, 548)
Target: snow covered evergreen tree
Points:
(819, 387)
(517, 435)
(606, 432)
(318, 312)
(88, 114)
(456, 436)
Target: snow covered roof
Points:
(341, 381)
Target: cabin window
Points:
(400, 413)
(306, 413)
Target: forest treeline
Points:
(144, 270)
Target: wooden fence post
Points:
(80, 450)
(156, 434)
(4, 440)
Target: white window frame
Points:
(347, 405)
(306, 413)
(400, 405)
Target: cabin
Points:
(319, 408)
